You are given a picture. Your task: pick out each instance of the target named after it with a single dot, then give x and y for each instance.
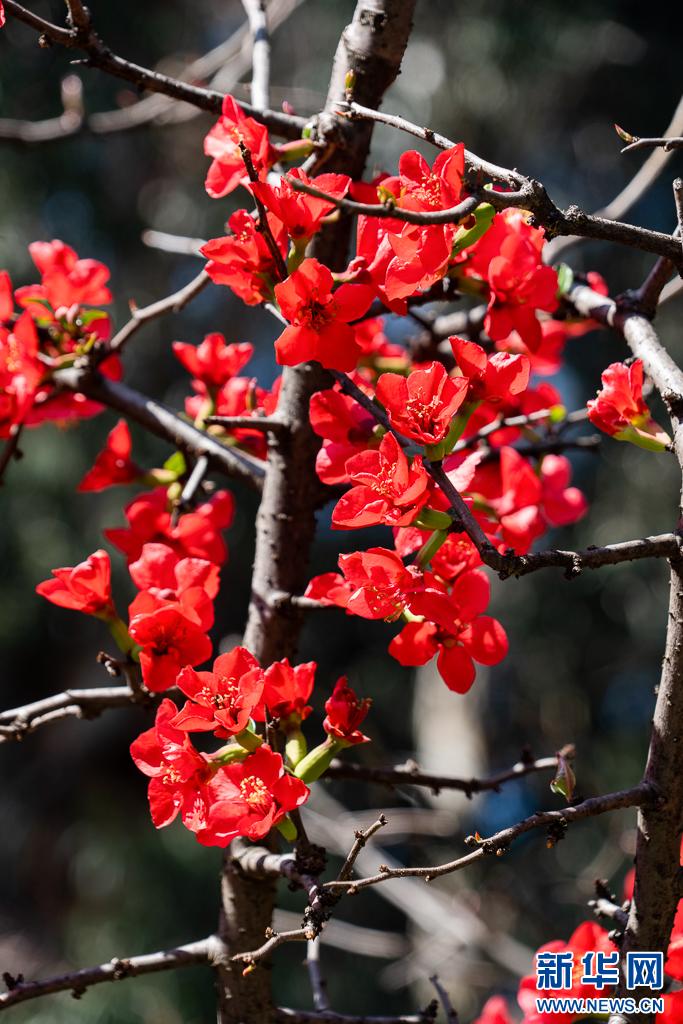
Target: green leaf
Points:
(565, 279)
(467, 236)
(564, 782)
(176, 463)
(88, 316)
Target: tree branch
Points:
(16, 723)
(497, 844)
(207, 951)
(160, 420)
(411, 775)
(100, 56)
(170, 304)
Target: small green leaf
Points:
(88, 316)
(564, 782)
(624, 135)
(565, 279)
(176, 463)
(467, 236)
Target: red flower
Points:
(345, 712)
(170, 640)
(2, 14)
(379, 582)
(196, 534)
(242, 260)
(561, 503)
(422, 406)
(319, 320)
(514, 494)
(300, 213)
(419, 187)
(84, 588)
(163, 576)
(66, 280)
(286, 691)
(222, 700)
(495, 1011)
(223, 144)
(347, 429)
(213, 362)
(621, 411)
(113, 465)
(455, 628)
(20, 373)
(496, 378)
(330, 589)
(248, 799)
(587, 938)
(6, 297)
(177, 772)
(456, 555)
(388, 488)
(509, 258)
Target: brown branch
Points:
(170, 304)
(678, 200)
(266, 424)
(637, 796)
(411, 775)
(263, 225)
(160, 420)
(531, 195)
(99, 56)
(667, 144)
(450, 1013)
(362, 837)
(11, 449)
(321, 1001)
(207, 951)
(16, 723)
(383, 210)
(282, 1015)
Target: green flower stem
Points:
(433, 519)
(430, 548)
(287, 828)
(318, 760)
(249, 740)
(296, 747)
(119, 630)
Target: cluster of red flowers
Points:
(59, 320)
(428, 576)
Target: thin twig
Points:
(449, 1011)
(501, 841)
(362, 837)
(263, 225)
(170, 304)
(411, 775)
(321, 1001)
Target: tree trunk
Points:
(369, 53)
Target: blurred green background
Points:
(83, 875)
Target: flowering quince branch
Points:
(457, 454)
(640, 795)
(206, 951)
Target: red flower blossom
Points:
(380, 583)
(419, 187)
(84, 588)
(345, 712)
(388, 488)
(508, 257)
(347, 429)
(495, 1011)
(6, 297)
(319, 320)
(286, 691)
(66, 280)
(223, 144)
(2, 14)
(113, 465)
(249, 798)
(496, 378)
(300, 213)
(177, 772)
(196, 534)
(242, 260)
(163, 576)
(422, 405)
(456, 555)
(213, 362)
(20, 373)
(587, 938)
(169, 641)
(621, 411)
(329, 589)
(455, 628)
(223, 699)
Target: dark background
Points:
(83, 875)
